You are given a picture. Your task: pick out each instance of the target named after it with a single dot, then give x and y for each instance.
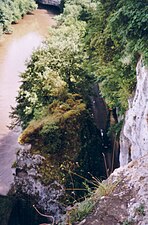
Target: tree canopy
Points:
(116, 36)
(94, 41)
(57, 68)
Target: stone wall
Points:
(134, 135)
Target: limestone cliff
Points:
(134, 135)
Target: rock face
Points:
(134, 137)
(27, 180)
(57, 3)
(127, 204)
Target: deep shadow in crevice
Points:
(23, 213)
(50, 8)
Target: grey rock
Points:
(134, 135)
(29, 183)
(51, 2)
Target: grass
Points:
(57, 114)
(104, 188)
(80, 210)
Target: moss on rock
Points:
(69, 142)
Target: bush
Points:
(116, 36)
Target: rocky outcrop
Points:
(56, 148)
(134, 136)
(57, 3)
(127, 204)
(28, 182)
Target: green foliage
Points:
(81, 210)
(50, 131)
(51, 104)
(54, 70)
(116, 128)
(92, 42)
(116, 36)
(40, 86)
(13, 10)
(77, 10)
(129, 25)
(64, 136)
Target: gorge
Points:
(82, 98)
(130, 196)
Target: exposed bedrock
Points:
(57, 3)
(134, 135)
(28, 183)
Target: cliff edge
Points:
(127, 204)
(134, 135)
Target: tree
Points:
(116, 35)
(55, 69)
